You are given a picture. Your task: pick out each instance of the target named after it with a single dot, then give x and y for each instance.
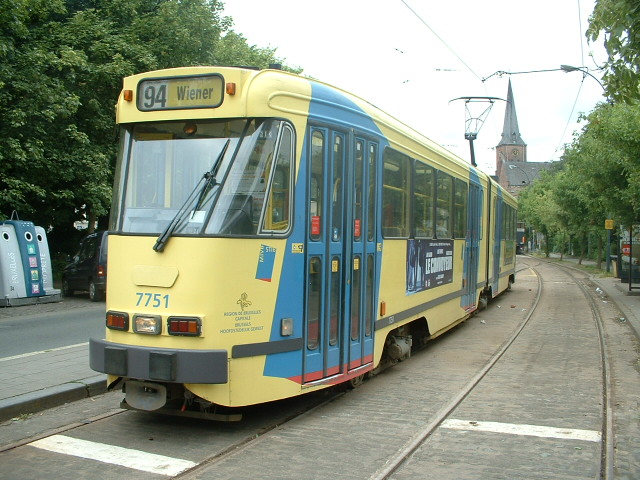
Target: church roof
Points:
(510, 130)
(524, 173)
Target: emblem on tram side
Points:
(244, 301)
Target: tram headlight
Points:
(149, 324)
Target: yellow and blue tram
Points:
(271, 235)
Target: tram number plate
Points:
(153, 300)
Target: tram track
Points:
(268, 422)
(606, 469)
(59, 430)
(406, 451)
(607, 454)
(291, 426)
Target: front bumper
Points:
(159, 364)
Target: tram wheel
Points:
(355, 382)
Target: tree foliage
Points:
(597, 178)
(61, 69)
(619, 22)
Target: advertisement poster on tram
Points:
(429, 264)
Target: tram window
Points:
(444, 193)
(460, 196)
(278, 209)
(335, 301)
(316, 199)
(509, 223)
(369, 296)
(423, 201)
(244, 197)
(395, 194)
(357, 197)
(371, 220)
(167, 162)
(314, 302)
(355, 297)
(336, 196)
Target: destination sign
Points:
(203, 91)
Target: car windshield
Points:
(205, 178)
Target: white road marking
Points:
(522, 429)
(126, 457)
(30, 354)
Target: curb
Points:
(52, 397)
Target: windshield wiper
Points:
(207, 181)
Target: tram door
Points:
(472, 247)
(497, 243)
(339, 262)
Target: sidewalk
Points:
(36, 381)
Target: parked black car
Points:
(87, 270)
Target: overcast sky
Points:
(412, 57)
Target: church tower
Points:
(511, 147)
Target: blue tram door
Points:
(340, 263)
(360, 279)
(472, 247)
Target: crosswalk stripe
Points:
(523, 429)
(126, 457)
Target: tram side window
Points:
(337, 197)
(395, 194)
(278, 209)
(371, 219)
(314, 302)
(423, 200)
(509, 223)
(358, 193)
(460, 196)
(316, 199)
(444, 195)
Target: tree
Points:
(61, 69)
(607, 158)
(619, 22)
(597, 178)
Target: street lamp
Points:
(584, 70)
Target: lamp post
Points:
(584, 70)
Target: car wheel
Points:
(95, 295)
(66, 291)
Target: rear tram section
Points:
(272, 235)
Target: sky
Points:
(411, 58)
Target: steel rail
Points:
(412, 445)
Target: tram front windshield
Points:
(204, 178)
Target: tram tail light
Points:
(149, 324)
(231, 88)
(118, 321)
(127, 95)
(186, 326)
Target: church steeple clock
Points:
(511, 147)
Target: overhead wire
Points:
(575, 102)
(561, 143)
(441, 39)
